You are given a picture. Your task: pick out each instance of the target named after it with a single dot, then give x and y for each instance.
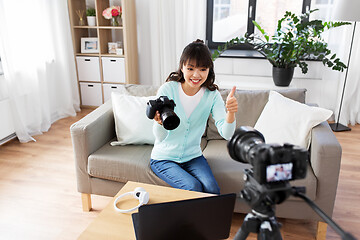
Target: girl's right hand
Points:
(157, 118)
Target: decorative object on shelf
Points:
(91, 16)
(113, 13)
(119, 51)
(294, 41)
(112, 47)
(346, 10)
(80, 14)
(89, 45)
(119, 48)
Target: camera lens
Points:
(169, 119)
(241, 143)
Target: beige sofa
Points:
(103, 169)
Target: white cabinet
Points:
(88, 69)
(102, 67)
(109, 88)
(91, 94)
(113, 69)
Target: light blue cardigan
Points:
(183, 143)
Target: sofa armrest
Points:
(325, 158)
(88, 135)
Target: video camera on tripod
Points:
(267, 183)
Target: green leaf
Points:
(293, 41)
(261, 30)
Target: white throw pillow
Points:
(287, 121)
(131, 123)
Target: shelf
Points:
(124, 67)
(111, 55)
(111, 27)
(88, 54)
(114, 83)
(99, 27)
(100, 55)
(85, 27)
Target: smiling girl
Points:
(177, 157)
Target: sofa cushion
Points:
(125, 163)
(138, 90)
(229, 173)
(250, 105)
(132, 126)
(286, 121)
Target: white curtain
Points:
(39, 68)
(339, 42)
(350, 112)
(173, 25)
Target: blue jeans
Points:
(194, 175)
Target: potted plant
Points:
(293, 42)
(91, 16)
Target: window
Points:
(227, 19)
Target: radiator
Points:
(7, 131)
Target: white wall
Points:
(252, 74)
(144, 34)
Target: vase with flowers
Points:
(113, 13)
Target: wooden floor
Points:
(39, 200)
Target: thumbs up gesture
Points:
(231, 102)
(231, 106)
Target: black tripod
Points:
(266, 227)
(262, 200)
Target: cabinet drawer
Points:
(109, 88)
(88, 69)
(91, 94)
(113, 69)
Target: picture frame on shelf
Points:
(112, 47)
(89, 45)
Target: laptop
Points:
(200, 218)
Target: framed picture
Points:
(89, 45)
(112, 47)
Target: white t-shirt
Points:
(189, 103)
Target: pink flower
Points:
(107, 13)
(115, 12)
(119, 9)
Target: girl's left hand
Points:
(231, 102)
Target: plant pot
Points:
(91, 20)
(282, 76)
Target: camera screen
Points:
(279, 172)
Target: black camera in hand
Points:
(271, 162)
(165, 106)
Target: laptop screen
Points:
(200, 218)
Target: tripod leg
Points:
(269, 232)
(241, 234)
(251, 224)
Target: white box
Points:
(109, 88)
(91, 94)
(88, 69)
(113, 69)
